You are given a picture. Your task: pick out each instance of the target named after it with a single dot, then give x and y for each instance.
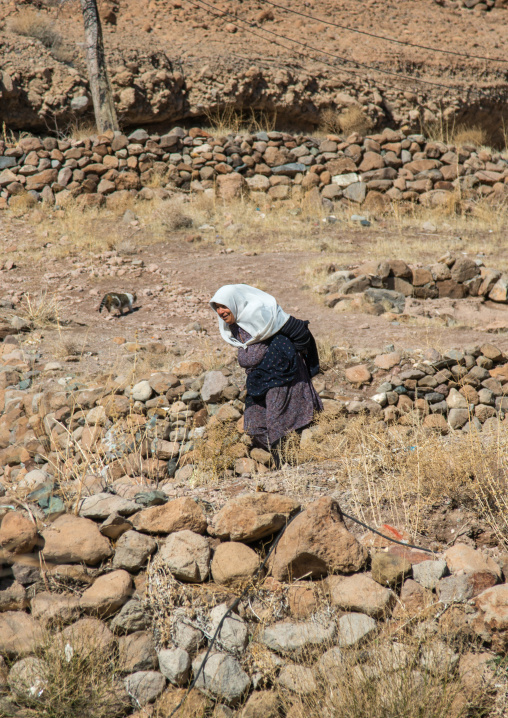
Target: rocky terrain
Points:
(175, 61)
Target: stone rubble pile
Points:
(354, 591)
(453, 276)
(376, 170)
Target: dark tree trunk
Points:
(102, 95)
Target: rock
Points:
(234, 563)
(317, 543)
(107, 594)
(437, 422)
(458, 417)
(463, 269)
(231, 186)
(187, 637)
(360, 593)
(261, 704)
(461, 557)
(293, 637)
(12, 597)
(359, 374)
(438, 658)
(384, 300)
(302, 601)
(428, 573)
(186, 369)
(454, 589)
(187, 555)
(389, 570)
(87, 636)
(18, 534)
(19, 634)
(141, 391)
(456, 400)
(491, 623)
(72, 539)
(178, 515)
(55, 607)
(499, 292)
(28, 678)
(353, 628)
(133, 550)
(356, 192)
(297, 679)
(114, 526)
(174, 664)
(413, 599)
(100, 506)
(214, 384)
(492, 352)
(330, 661)
(222, 678)
(387, 361)
(249, 518)
(233, 635)
(132, 617)
(145, 686)
(136, 652)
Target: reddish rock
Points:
(18, 534)
(72, 539)
(176, 515)
(302, 601)
(317, 543)
(87, 636)
(234, 563)
(107, 594)
(359, 374)
(248, 518)
(387, 361)
(39, 180)
(231, 186)
(414, 599)
(491, 624)
(19, 634)
(360, 593)
(55, 607)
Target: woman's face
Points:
(225, 313)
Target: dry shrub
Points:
(218, 450)
(41, 311)
(33, 24)
(406, 678)
(81, 680)
(231, 120)
(352, 119)
(470, 135)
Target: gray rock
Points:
(222, 677)
(214, 384)
(234, 634)
(144, 686)
(356, 192)
(354, 627)
(458, 417)
(28, 678)
(456, 400)
(175, 663)
(386, 300)
(438, 658)
(142, 391)
(331, 659)
(289, 636)
(99, 506)
(428, 573)
(137, 652)
(6, 162)
(79, 104)
(290, 169)
(298, 679)
(132, 550)
(454, 589)
(114, 526)
(187, 555)
(132, 617)
(140, 136)
(187, 637)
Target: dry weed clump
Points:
(42, 311)
(32, 24)
(352, 119)
(475, 135)
(74, 678)
(227, 120)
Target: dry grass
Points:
(475, 135)
(33, 24)
(352, 119)
(42, 311)
(231, 120)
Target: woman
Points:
(279, 355)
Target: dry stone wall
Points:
(375, 170)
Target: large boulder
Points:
(176, 515)
(72, 539)
(249, 518)
(317, 543)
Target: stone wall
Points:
(376, 170)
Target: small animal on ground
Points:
(118, 301)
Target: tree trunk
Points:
(102, 95)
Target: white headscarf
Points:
(255, 311)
